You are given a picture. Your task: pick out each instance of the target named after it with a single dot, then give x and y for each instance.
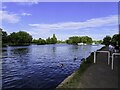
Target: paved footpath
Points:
(100, 75)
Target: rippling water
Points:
(41, 66)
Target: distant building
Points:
(93, 43)
(80, 43)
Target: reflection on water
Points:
(20, 51)
(41, 66)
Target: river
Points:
(41, 66)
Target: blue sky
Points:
(65, 19)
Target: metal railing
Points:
(102, 52)
(113, 54)
(113, 59)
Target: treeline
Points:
(49, 40)
(78, 39)
(16, 38)
(97, 41)
(114, 40)
(24, 38)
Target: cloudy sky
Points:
(65, 19)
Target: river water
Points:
(41, 66)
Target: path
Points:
(100, 75)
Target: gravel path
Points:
(100, 75)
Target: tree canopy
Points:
(24, 38)
(78, 39)
(49, 40)
(107, 40)
(115, 39)
(53, 39)
(4, 37)
(97, 41)
(19, 38)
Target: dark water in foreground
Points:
(41, 66)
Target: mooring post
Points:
(108, 57)
(112, 66)
(112, 60)
(94, 57)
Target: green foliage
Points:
(98, 41)
(49, 40)
(35, 41)
(41, 41)
(4, 37)
(107, 40)
(53, 39)
(115, 39)
(76, 40)
(60, 41)
(19, 38)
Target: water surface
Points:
(41, 66)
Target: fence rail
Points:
(114, 54)
(102, 52)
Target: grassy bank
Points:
(72, 80)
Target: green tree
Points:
(98, 41)
(107, 40)
(20, 38)
(53, 39)
(41, 41)
(48, 40)
(88, 40)
(69, 41)
(4, 37)
(83, 39)
(76, 40)
(35, 41)
(60, 41)
(115, 39)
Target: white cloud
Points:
(92, 23)
(26, 14)
(21, 0)
(24, 2)
(93, 27)
(9, 17)
(61, 0)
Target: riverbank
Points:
(90, 75)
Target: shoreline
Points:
(71, 81)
